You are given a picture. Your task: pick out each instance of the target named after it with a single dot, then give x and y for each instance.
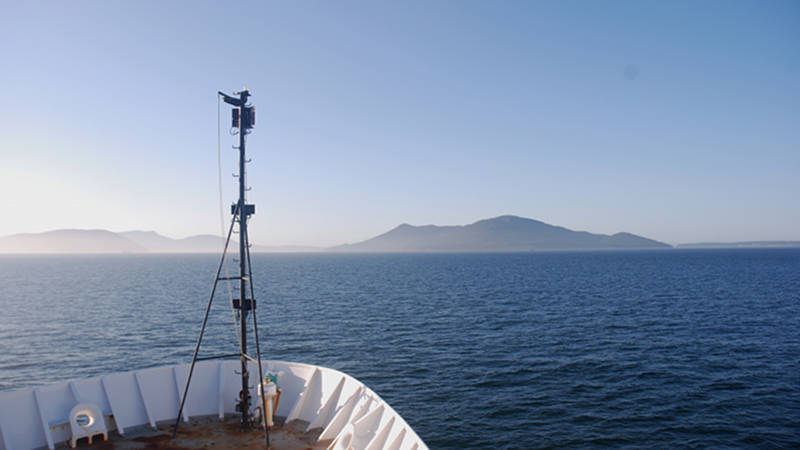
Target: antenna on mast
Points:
(243, 117)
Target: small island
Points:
(498, 234)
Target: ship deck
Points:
(210, 433)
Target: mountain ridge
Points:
(135, 241)
(505, 233)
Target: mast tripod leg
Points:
(202, 330)
(258, 346)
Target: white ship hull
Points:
(340, 411)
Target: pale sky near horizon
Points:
(678, 121)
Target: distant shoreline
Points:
(679, 247)
(746, 244)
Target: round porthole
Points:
(84, 419)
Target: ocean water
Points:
(687, 348)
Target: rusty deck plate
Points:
(211, 433)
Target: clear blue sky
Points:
(679, 121)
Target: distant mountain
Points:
(741, 244)
(104, 241)
(156, 243)
(149, 240)
(500, 234)
(69, 241)
(286, 249)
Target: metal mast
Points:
(241, 212)
(243, 118)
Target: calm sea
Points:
(647, 349)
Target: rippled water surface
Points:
(647, 349)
